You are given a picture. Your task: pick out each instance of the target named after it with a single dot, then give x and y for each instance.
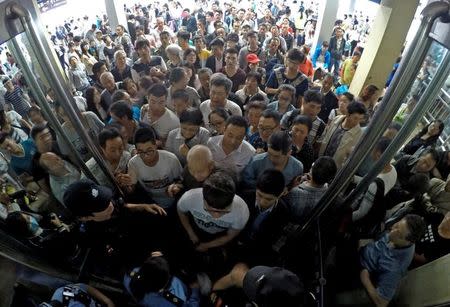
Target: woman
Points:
(93, 99)
(77, 75)
(133, 90)
(217, 120)
(286, 96)
(428, 136)
(343, 102)
(87, 59)
(108, 50)
(301, 149)
(191, 73)
(121, 69)
(190, 56)
(251, 88)
(369, 97)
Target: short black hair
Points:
(144, 135)
(152, 276)
(295, 55)
(219, 190)
(417, 184)
(180, 94)
(142, 43)
(395, 126)
(416, 227)
(121, 109)
(433, 152)
(313, 96)
(323, 170)
(220, 112)
(107, 134)
(280, 141)
(97, 67)
(382, 144)
(302, 120)
(231, 50)
(349, 96)
(18, 225)
(256, 104)
(184, 35)
(36, 130)
(177, 74)
(217, 42)
(119, 95)
(191, 116)
(254, 75)
(275, 115)
(157, 90)
(271, 181)
(356, 107)
(237, 120)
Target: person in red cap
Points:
(253, 62)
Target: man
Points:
(204, 76)
(189, 21)
(155, 170)
(146, 64)
(278, 156)
(408, 165)
(337, 46)
(216, 60)
(386, 260)
(220, 88)
(232, 69)
(156, 114)
(343, 133)
(115, 157)
(110, 87)
(321, 57)
(330, 101)
(183, 38)
(123, 39)
(251, 48)
(122, 114)
(289, 74)
(304, 198)
(311, 107)
(229, 150)
(159, 30)
(269, 123)
(21, 155)
(98, 69)
(61, 173)
(288, 37)
(214, 215)
(275, 33)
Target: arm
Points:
(184, 219)
(373, 294)
(220, 241)
(366, 203)
(152, 208)
(99, 296)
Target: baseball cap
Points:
(273, 286)
(85, 197)
(253, 58)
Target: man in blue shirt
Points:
(385, 261)
(278, 156)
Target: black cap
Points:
(85, 197)
(273, 286)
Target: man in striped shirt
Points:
(16, 98)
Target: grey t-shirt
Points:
(192, 202)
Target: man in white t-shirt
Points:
(366, 207)
(220, 87)
(229, 150)
(214, 215)
(154, 169)
(156, 114)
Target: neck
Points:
(345, 124)
(387, 168)
(311, 183)
(290, 73)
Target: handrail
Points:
(16, 11)
(407, 71)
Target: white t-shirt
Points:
(164, 124)
(389, 179)
(205, 108)
(156, 179)
(192, 202)
(14, 118)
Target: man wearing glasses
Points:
(269, 122)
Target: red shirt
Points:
(307, 68)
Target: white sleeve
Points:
(132, 170)
(241, 215)
(183, 203)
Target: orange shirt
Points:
(307, 68)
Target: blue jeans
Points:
(334, 66)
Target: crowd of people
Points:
(222, 131)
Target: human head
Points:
(407, 231)
(312, 103)
(370, 93)
(180, 100)
(164, 36)
(325, 46)
(111, 143)
(327, 82)
(183, 39)
(344, 100)
(217, 46)
(200, 162)
(130, 86)
(323, 170)
(120, 30)
(9, 145)
(217, 120)
(178, 78)
(121, 112)
(234, 133)
(286, 94)
(173, 52)
(231, 57)
(427, 161)
(218, 193)
(279, 148)
(36, 116)
(274, 43)
(268, 123)
(294, 57)
(107, 81)
(145, 141)
(98, 69)
(156, 97)
(434, 129)
(121, 95)
(301, 125)
(190, 56)
(252, 81)
(204, 75)
(89, 201)
(42, 138)
(269, 188)
(339, 32)
(220, 87)
(356, 112)
(190, 122)
(392, 130)
(252, 38)
(143, 48)
(254, 111)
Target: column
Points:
(384, 43)
(324, 27)
(351, 6)
(116, 13)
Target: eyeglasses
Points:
(266, 129)
(146, 153)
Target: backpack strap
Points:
(279, 75)
(169, 296)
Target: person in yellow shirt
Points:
(202, 52)
(348, 69)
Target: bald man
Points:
(199, 166)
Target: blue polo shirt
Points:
(386, 264)
(24, 164)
